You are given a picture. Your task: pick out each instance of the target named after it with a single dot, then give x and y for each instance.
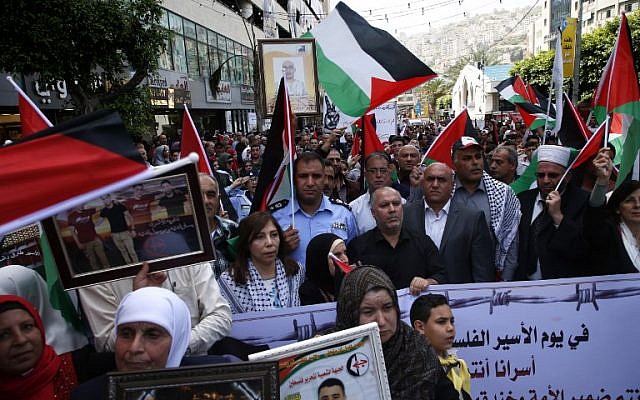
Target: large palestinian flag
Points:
(274, 180)
(618, 92)
(361, 67)
(64, 166)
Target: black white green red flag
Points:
(361, 67)
(514, 90)
(275, 178)
(32, 120)
(618, 92)
(65, 166)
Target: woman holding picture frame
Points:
(261, 278)
(413, 370)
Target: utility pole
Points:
(575, 95)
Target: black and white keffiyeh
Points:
(505, 216)
(254, 296)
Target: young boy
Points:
(431, 316)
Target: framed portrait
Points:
(295, 60)
(221, 381)
(346, 364)
(160, 220)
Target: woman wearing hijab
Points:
(261, 278)
(30, 369)
(320, 284)
(161, 155)
(28, 284)
(613, 229)
(414, 372)
(152, 328)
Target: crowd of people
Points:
(398, 223)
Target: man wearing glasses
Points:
(550, 230)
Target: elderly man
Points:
(551, 239)
(461, 234)
(504, 164)
(314, 213)
(220, 229)
(409, 259)
(408, 172)
(475, 189)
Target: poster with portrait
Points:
(343, 365)
(295, 60)
(217, 381)
(160, 220)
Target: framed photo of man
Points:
(218, 381)
(348, 364)
(295, 60)
(160, 220)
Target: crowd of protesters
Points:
(399, 223)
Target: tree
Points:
(102, 49)
(432, 90)
(595, 50)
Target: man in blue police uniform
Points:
(241, 193)
(314, 213)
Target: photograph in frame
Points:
(295, 60)
(258, 380)
(348, 363)
(160, 220)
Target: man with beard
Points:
(552, 244)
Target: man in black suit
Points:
(551, 239)
(461, 234)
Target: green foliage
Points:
(595, 50)
(483, 56)
(102, 49)
(433, 90)
(444, 102)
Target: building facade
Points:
(475, 89)
(596, 12)
(205, 34)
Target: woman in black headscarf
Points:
(414, 372)
(320, 279)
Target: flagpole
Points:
(28, 100)
(290, 145)
(361, 151)
(613, 68)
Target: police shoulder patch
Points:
(340, 202)
(278, 205)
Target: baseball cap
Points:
(464, 143)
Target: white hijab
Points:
(161, 307)
(28, 284)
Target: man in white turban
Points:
(551, 242)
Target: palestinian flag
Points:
(190, 143)
(533, 95)
(574, 131)
(618, 92)
(590, 148)
(440, 149)
(361, 67)
(275, 179)
(535, 116)
(65, 166)
(514, 90)
(31, 118)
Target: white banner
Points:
(386, 121)
(565, 339)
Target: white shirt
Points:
(631, 245)
(434, 223)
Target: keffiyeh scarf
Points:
(254, 296)
(505, 216)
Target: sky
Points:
(414, 16)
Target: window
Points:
(203, 59)
(175, 23)
(179, 53)
(201, 33)
(192, 57)
(189, 29)
(165, 60)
